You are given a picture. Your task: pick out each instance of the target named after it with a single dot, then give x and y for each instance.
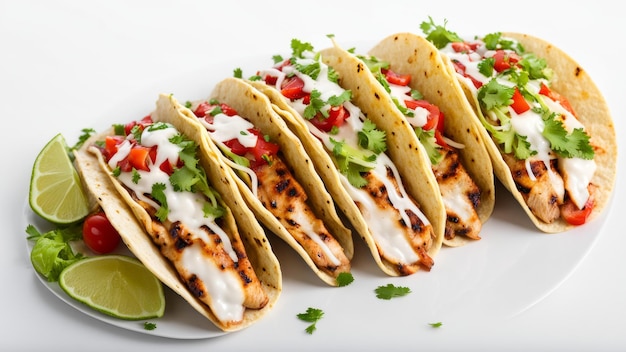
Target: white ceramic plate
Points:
(513, 267)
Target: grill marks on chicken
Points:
(544, 195)
(173, 238)
(461, 196)
(284, 197)
(417, 232)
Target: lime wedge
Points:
(116, 285)
(56, 193)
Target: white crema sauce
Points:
(224, 287)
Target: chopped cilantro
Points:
(344, 279)
(298, 48)
(149, 326)
(372, 138)
(390, 291)
(436, 325)
(312, 315)
(136, 176)
(437, 34)
(87, 132)
(352, 161)
(427, 139)
(237, 73)
(159, 195)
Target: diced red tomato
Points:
(292, 88)
(504, 60)
(433, 112)
(575, 216)
(460, 69)
(336, 117)
(519, 104)
(439, 139)
(236, 147)
(461, 47)
(204, 109)
(110, 146)
(147, 120)
(396, 78)
(138, 157)
(263, 148)
(545, 90)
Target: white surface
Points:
(67, 65)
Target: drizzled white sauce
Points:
(384, 225)
(223, 286)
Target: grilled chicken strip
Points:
(285, 198)
(173, 239)
(543, 195)
(460, 194)
(417, 233)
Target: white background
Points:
(71, 63)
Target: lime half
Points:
(116, 285)
(56, 193)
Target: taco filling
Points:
(546, 148)
(261, 164)
(460, 194)
(401, 232)
(159, 168)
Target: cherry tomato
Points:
(99, 235)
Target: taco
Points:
(180, 213)
(545, 123)
(403, 79)
(389, 198)
(273, 172)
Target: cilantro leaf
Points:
(352, 161)
(436, 325)
(427, 139)
(372, 138)
(573, 145)
(344, 279)
(437, 34)
(312, 315)
(299, 47)
(316, 105)
(390, 291)
(149, 326)
(159, 195)
(493, 95)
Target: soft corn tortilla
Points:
(130, 221)
(411, 54)
(574, 83)
(418, 180)
(256, 107)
